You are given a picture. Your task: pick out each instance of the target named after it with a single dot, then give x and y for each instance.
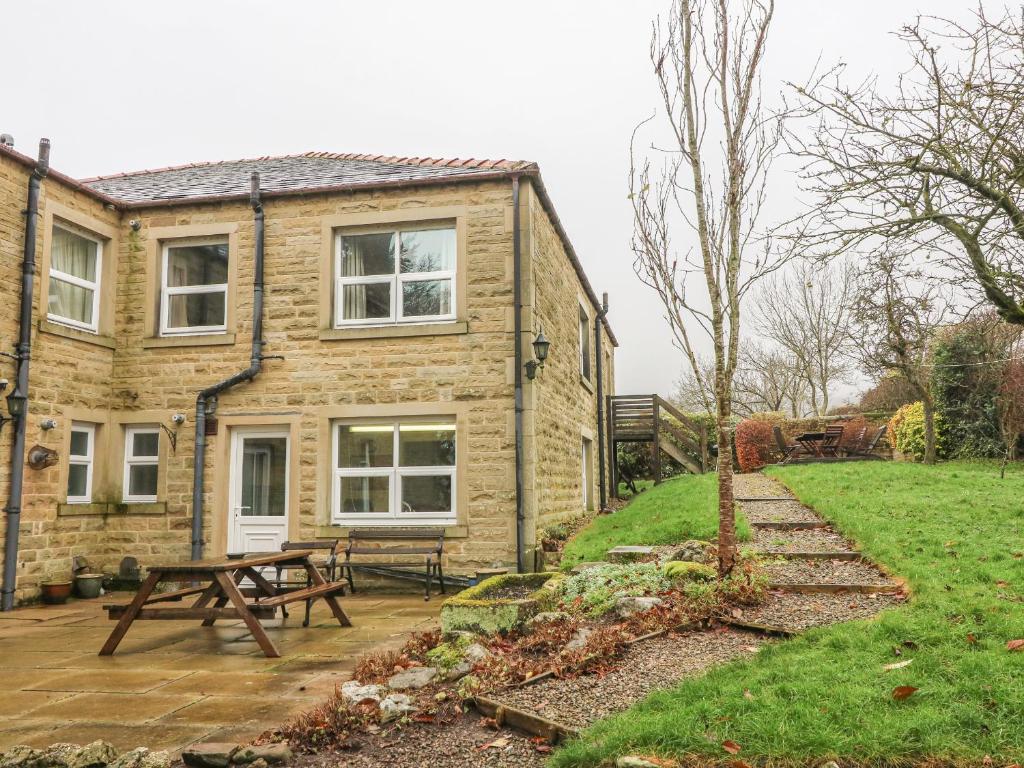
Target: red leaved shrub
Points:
(753, 444)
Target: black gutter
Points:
(600, 400)
(517, 301)
(250, 373)
(23, 354)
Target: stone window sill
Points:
(177, 342)
(341, 531)
(394, 331)
(48, 326)
(107, 508)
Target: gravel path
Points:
(652, 664)
(756, 484)
(461, 745)
(813, 540)
(796, 611)
(825, 572)
(778, 512)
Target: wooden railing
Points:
(651, 419)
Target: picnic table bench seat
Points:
(359, 545)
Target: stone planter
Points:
(500, 604)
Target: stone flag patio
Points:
(171, 684)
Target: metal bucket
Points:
(88, 585)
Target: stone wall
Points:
(127, 374)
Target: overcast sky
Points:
(130, 85)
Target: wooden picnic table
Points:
(812, 442)
(217, 583)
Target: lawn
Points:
(956, 533)
(678, 509)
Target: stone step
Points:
(628, 554)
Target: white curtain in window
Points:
(76, 256)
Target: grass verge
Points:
(956, 533)
(682, 508)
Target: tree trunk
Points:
(726, 505)
(929, 430)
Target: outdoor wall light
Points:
(17, 403)
(541, 345)
(178, 418)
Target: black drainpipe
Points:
(517, 300)
(250, 373)
(600, 401)
(23, 353)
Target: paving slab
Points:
(171, 683)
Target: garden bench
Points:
(429, 554)
(868, 450)
(329, 567)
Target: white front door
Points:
(258, 503)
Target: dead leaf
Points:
(902, 692)
(496, 744)
(544, 749)
(971, 638)
(731, 747)
(1015, 645)
(898, 665)
(748, 695)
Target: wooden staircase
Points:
(650, 419)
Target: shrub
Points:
(906, 430)
(678, 570)
(594, 591)
(753, 444)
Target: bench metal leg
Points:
(440, 576)
(430, 573)
(351, 584)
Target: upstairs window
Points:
(395, 276)
(74, 291)
(81, 457)
(141, 464)
(584, 344)
(194, 288)
(394, 473)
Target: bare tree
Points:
(895, 316)
(768, 379)
(806, 311)
(707, 58)
(939, 163)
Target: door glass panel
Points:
(264, 465)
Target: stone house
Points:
(381, 391)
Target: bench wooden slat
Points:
(186, 613)
(294, 596)
(177, 594)
(396, 533)
(375, 564)
(392, 550)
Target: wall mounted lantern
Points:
(17, 404)
(541, 345)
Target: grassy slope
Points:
(956, 532)
(678, 509)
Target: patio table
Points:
(217, 583)
(812, 442)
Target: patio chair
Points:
(329, 566)
(868, 450)
(833, 439)
(857, 443)
(782, 447)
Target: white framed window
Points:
(588, 473)
(194, 287)
(81, 458)
(395, 276)
(394, 472)
(141, 464)
(76, 261)
(584, 344)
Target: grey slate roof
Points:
(293, 173)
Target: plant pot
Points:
(55, 592)
(88, 585)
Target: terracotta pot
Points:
(55, 592)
